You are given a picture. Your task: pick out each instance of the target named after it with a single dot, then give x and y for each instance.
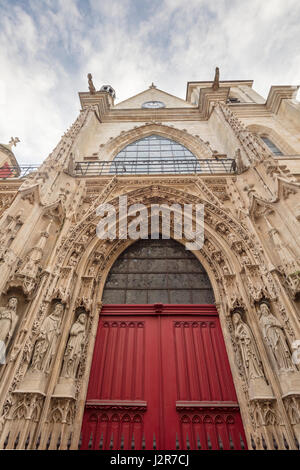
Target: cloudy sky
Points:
(47, 47)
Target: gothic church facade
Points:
(118, 343)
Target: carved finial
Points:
(13, 141)
(91, 85)
(216, 83)
(152, 85)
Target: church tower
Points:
(119, 343)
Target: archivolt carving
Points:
(229, 239)
(214, 214)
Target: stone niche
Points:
(73, 356)
(13, 306)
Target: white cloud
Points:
(47, 48)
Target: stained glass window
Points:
(155, 154)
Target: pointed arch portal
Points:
(160, 377)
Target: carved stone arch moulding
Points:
(227, 248)
(216, 216)
(193, 143)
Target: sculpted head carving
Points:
(58, 309)
(82, 318)
(13, 302)
(236, 318)
(264, 309)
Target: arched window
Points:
(155, 154)
(271, 145)
(153, 271)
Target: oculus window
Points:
(153, 104)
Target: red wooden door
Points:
(160, 378)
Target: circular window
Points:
(153, 104)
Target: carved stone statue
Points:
(74, 347)
(249, 352)
(91, 85)
(274, 335)
(45, 345)
(8, 320)
(216, 82)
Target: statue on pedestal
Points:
(8, 320)
(91, 85)
(216, 82)
(249, 352)
(74, 348)
(275, 338)
(45, 345)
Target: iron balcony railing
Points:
(16, 171)
(150, 167)
(136, 167)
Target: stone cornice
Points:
(158, 115)
(248, 110)
(208, 84)
(184, 114)
(99, 101)
(208, 97)
(101, 104)
(279, 93)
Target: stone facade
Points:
(53, 267)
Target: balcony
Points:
(16, 171)
(155, 167)
(133, 167)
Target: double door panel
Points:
(160, 378)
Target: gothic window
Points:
(271, 145)
(155, 154)
(157, 271)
